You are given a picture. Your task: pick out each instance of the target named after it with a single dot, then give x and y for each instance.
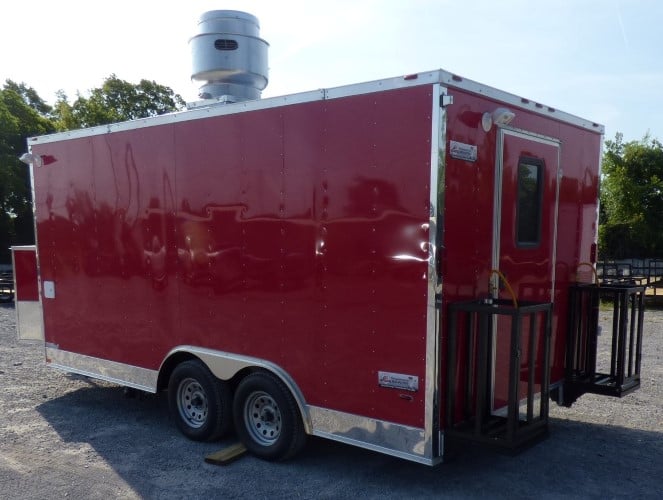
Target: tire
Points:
(267, 419)
(199, 403)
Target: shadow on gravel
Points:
(136, 438)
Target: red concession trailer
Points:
(391, 264)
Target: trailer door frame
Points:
(529, 261)
(503, 133)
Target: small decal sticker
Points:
(49, 289)
(462, 151)
(398, 381)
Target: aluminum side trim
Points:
(598, 198)
(497, 210)
(212, 107)
(103, 369)
(436, 189)
(222, 364)
(530, 136)
(452, 80)
(29, 320)
(225, 365)
(559, 174)
(378, 435)
(399, 82)
(202, 109)
(199, 111)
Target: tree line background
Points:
(23, 114)
(631, 213)
(631, 210)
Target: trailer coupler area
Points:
(470, 413)
(622, 376)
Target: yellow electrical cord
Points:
(506, 283)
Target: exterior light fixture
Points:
(501, 116)
(29, 158)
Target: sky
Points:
(598, 59)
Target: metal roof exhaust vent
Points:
(228, 56)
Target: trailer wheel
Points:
(199, 402)
(267, 419)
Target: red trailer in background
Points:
(29, 323)
(392, 264)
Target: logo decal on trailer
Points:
(462, 151)
(398, 381)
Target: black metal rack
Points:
(581, 374)
(470, 334)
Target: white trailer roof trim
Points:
(214, 107)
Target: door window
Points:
(528, 209)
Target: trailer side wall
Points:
(295, 234)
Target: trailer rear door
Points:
(525, 235)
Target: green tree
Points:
(29, 96)
(115, 101)
(632, 199)
(23, 113)
(21, 116)
(63, 113)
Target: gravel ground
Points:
(67, 436)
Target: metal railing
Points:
(622, 373)
(646, 272)
(469, 413)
